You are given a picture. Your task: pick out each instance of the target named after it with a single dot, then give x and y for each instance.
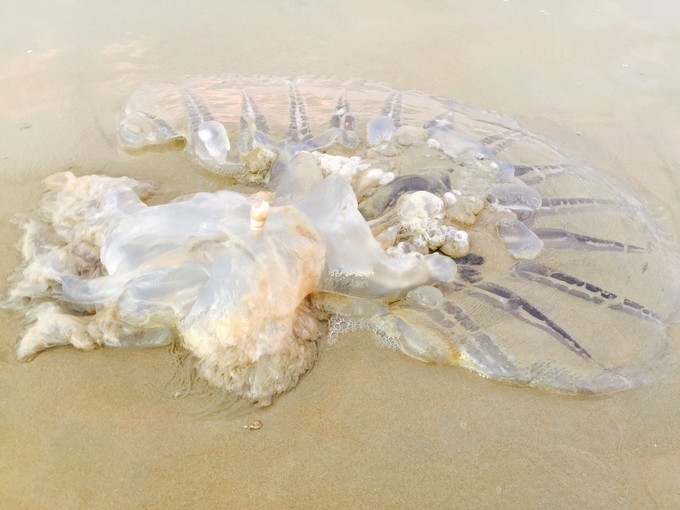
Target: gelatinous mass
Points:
(448, 232)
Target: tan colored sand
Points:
(367, 427)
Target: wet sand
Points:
(366, 427)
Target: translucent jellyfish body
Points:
(449, 232)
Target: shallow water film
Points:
(563, 261)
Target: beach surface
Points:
(367, 427)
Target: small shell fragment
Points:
(253, 425)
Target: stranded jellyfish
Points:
(447, 232)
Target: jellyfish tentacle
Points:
(534, 271)
(505, 299)
(299, 131)
(253, 126)
(561, 239)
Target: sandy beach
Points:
(367, 427)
